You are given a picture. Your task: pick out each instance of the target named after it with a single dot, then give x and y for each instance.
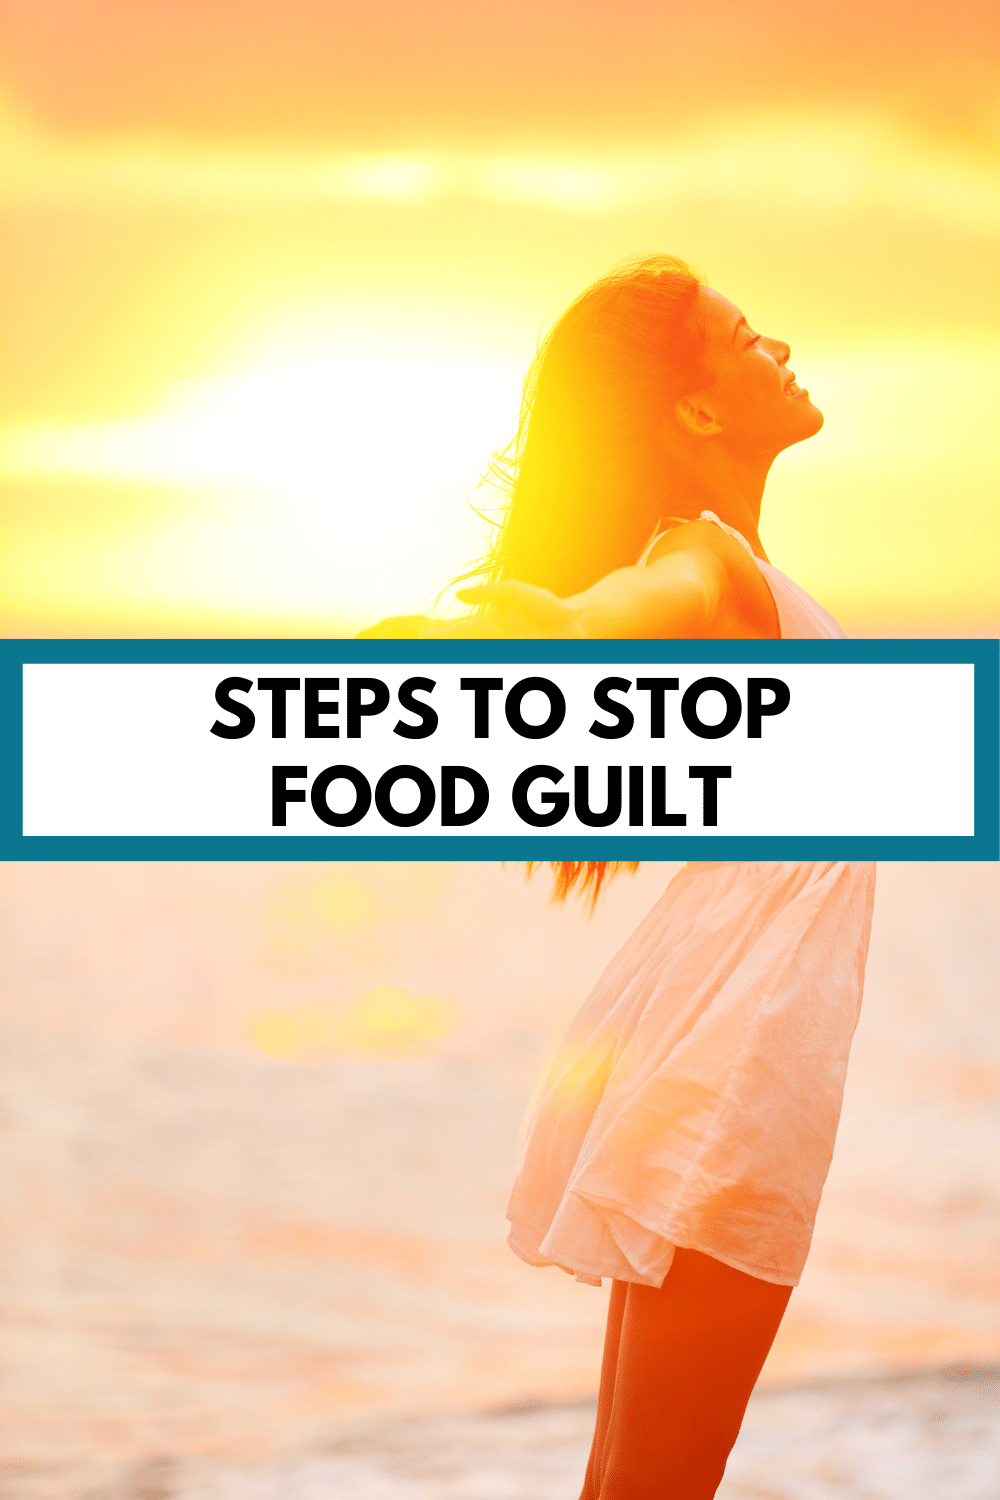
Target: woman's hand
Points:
(521, 609)
(396, 628)
(515, 609)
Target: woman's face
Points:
(754, 396)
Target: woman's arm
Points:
(678, 595)
(700, 584)
(397, 628)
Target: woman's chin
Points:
(811, 420)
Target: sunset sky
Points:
(273, 273)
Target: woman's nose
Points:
(781, 351)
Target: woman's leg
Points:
(687, 1357)
(605, 1399)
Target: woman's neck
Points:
(731, 488)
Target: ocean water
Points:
(259, 1124)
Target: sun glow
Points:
(365, 426)
(359, 323)
(318, 483)
(330, 486)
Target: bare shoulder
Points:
(749, 608)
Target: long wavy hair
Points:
(587, 477)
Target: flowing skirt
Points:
(694, 1100)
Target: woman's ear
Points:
(695, 415)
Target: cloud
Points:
(839, 163)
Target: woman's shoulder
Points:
(679, 534)
(752, 607)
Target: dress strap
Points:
(737, 536)
(660, 531)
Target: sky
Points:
(273, 274)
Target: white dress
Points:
(694, 1100)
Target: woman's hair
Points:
(587, 479)
(585, 876)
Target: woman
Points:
(681, 1136)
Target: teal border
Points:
(984, 844)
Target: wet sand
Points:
(250, 1212)
(925, 1435)
(916, 1437)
